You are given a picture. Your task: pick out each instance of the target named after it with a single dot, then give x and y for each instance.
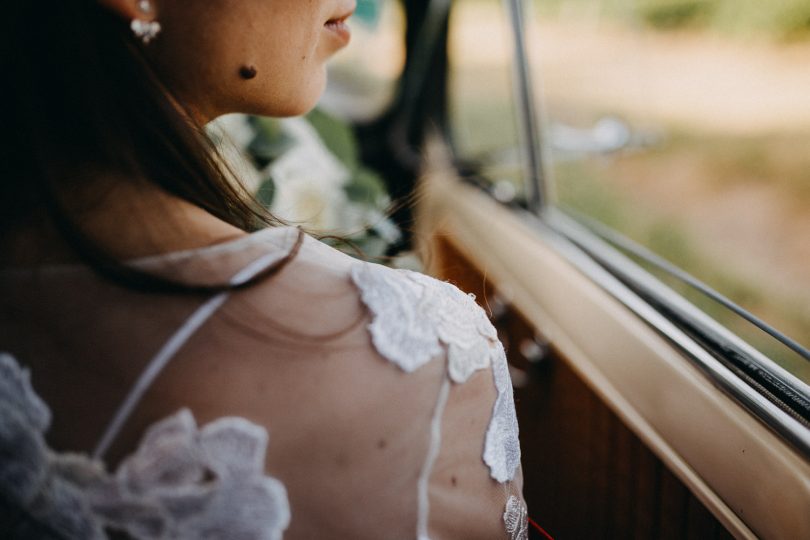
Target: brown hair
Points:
(81, 97)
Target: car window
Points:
(482, 116)
(684, 125)
(363, 77)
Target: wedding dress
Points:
(335, 399)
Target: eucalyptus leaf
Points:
(337, 136)
(265, 150)
(266, 126)
(365, 187)
(266, 192)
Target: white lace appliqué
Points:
(416, 318)
(516, 518)
(183, 482)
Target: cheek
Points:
(202, 61)
(290, 97)
(291, 75)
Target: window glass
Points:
(685, 125)
(363, 77)
(481, 104)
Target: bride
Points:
(176, 363)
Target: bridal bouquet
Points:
(307, 172)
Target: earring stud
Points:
(145, 30)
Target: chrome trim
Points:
(531, 143)
(728, 345)
(600, 262)
(615, 238)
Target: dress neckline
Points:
(228, 246)
(283, 234)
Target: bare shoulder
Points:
(379, 380)
(415, 318)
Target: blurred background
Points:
(682, 124)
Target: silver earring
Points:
(145, 30)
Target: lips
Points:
(337, 24)
(342, 12)
(338, 20)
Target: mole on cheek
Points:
(247, 72)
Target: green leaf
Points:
(266, 192)
(265, 150)
(365, 187)
(269, 142)
(337, 136)
(266, 126)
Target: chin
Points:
(296, 109)
(300, 102)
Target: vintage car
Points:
(536, 153)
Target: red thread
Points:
(534, 524)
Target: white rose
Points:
(309, 180)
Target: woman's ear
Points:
(131, 9)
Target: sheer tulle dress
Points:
(334, 399)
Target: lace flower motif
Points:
(182, 482)
(516, 518)
(30, 485)
(416, 318)
(502, 447)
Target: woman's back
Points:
(385, 393)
